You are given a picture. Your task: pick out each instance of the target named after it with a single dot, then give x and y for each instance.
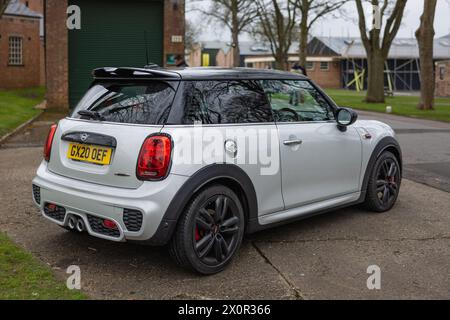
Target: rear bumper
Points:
(86, 200)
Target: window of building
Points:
(222, 102)
(441, 72)
(309, 65)
(324, 66)
(15, 51)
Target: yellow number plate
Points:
(90, 153)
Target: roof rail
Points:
(133, 73)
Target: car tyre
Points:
(209, 232)
(384, 183)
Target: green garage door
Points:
(113, 34)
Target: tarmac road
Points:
(319, 258)
(322, 257)
(425, 145)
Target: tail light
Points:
(154, 158)
(49, 142)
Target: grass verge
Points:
(401, 105)
(17, 106)
(22, 277)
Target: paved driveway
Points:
(425, 145)
(322, 257)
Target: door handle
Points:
(292, 142)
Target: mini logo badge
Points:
(84, 137)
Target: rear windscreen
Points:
(137, 103)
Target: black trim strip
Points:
(90, 138)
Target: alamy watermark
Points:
(74, 280)
(376, 25)
(374, 280)
(258, 146)
(74, 17)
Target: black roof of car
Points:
(197, 73)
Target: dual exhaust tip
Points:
(76, 224)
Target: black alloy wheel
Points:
(210, 231)
(384, 183)
(216, 230)
(387, 188)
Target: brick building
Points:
(443, 79)
(324, 69)
(334, 62)
(210, 54)
(112, 33)
(21, 45)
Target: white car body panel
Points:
(327, 163)
(267, 186)
(377, 130)
(122, 170)
(332, 178)
(81, 198)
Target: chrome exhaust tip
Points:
(80, 225)
(72, 223)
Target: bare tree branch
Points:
(236, 15)
(393, 25)
(3, 5)
(310, 12)
(276, 23)
(377, 49)
(362, 25)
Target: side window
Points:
(223, 102)
(294, 101)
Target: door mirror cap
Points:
(345, 117)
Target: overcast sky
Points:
(344, 27)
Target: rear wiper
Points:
(120, 108)
(94, 115)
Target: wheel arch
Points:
(228, 175)
(385, 144)
(236, 187)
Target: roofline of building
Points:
(22, 16)
(338, 55)
(291, 58)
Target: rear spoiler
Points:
(133, 74)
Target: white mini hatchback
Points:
(197, 157)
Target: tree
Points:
(311, 11)
(276, 24)
(192, 33)
(425, 36)
(236, 15)
(377, 47)
(3, 5)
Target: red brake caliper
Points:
(197, 234)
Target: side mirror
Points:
(345, 117)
